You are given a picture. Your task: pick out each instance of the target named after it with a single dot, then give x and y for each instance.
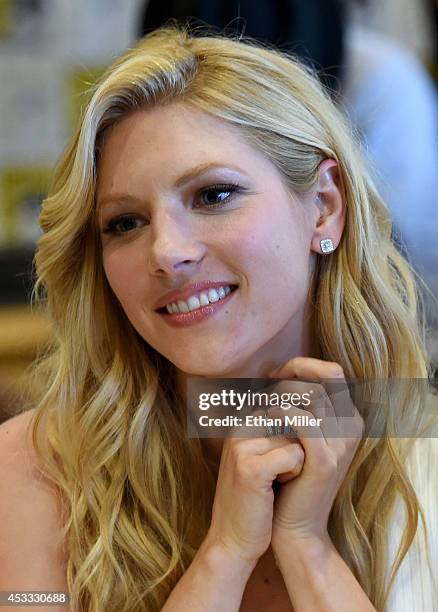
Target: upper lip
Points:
(187, 290)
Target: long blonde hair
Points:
(137, 492)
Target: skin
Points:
(266, 240)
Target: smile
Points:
(197, 300)
(196, 308)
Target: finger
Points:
(314, 369)
(260, 442)
(308, 367)
(286, 460)
(331, 373)
(340, 415)
(253, 431)
(311, 437)
(311, 422)
(323, 410)
(287, 476)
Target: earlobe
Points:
(326, 246)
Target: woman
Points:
(203, 163)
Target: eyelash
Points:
(232, 188)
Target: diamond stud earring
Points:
(327, 245)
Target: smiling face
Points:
(201, 204)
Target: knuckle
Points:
(299, 359)
(328, 467)
(319, 387)
(336, 369)
(248, 470)
(298, 456)
(318, 391)
(305, 413)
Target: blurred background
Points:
(379, 59)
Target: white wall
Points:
(43, 53)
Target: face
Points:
(183, 198)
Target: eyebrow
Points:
(182, 180)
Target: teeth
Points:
(171, 308)
(213, 295)
(203, 298)
(193, 303)
(183, 307)
(196, 301)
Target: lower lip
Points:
(184, 319)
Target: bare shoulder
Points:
(18, 462)
(11, 430)
(31, 554)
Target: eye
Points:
(211, 197)
(121, 225)
(218, 195)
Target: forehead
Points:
(166, 141)
(168, 124)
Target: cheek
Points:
(276, 260)
(272, 247)
(123, 275)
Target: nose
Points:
(175, 246)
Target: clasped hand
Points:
(246, 518)
(303, 503)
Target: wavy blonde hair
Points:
(136, 492)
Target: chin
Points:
(220, 367)
(217, 360)
(200, 363)
(206, 369)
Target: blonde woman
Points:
(205, 166)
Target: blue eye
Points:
(211, 197)
(218, 190)
(113, 224)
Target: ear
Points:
(329, 200)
